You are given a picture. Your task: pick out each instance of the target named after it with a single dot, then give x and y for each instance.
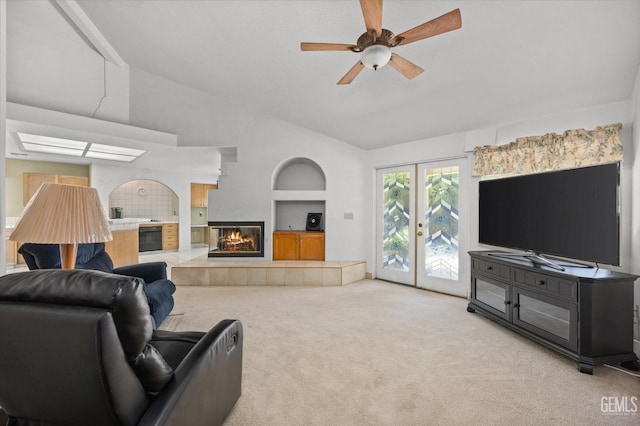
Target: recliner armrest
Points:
(149, 272)
(174, 346)
(206, 384)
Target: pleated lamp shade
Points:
(63, 214)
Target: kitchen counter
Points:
(135, 223)
(120, 224)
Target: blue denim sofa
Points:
(158, 289)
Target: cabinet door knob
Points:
(489, 268)
(541, 282)
(507, 302)
(516, 305)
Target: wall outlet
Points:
(348, 216)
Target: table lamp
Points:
(67, 215)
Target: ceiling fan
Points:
(375, 44)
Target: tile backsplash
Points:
(145, 199)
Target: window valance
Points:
(534, 154)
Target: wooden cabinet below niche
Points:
(298, 245)
(32, 181)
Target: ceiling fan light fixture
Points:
(376, 56)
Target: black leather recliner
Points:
(78, 347)
(158, 288)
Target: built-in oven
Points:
(150, 238)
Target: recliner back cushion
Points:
(47, 256)
(98, 260)
(122, 296)
(87, 251)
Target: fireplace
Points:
(236, 239)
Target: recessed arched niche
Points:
(144, 198)
(299, 174)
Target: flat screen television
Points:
(570, 213)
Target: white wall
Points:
(197, 118)
(634, 162)
(245, 193)
(3, 131)
(635, 175)
(455, 145)
(53, 67)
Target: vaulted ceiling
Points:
(511, 59)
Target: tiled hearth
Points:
(284, 273)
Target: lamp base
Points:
(68, 253)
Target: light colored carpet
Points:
(376, 353)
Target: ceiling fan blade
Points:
(372, 12)
(326, 46)
(404, 67)
(442, 24)
(352, 73)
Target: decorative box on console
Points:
(236, 239)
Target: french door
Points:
(418, 237)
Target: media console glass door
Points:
(555, 320)
(494, 295)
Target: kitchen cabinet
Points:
(123, 249)
(13, 257)
(170, 236)
(32, 181)
(200, 194)
(12, 250)
(298, 245)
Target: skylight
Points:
(115, 153)
(51, 145)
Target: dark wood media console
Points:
(582, 312)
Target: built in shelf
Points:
(299, 174)
(298, 189)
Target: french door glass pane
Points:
(441, 222)
(396, 217)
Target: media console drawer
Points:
(564, 289)
(495, 269)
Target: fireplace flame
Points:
(236, 240)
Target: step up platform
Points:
(279, 273)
